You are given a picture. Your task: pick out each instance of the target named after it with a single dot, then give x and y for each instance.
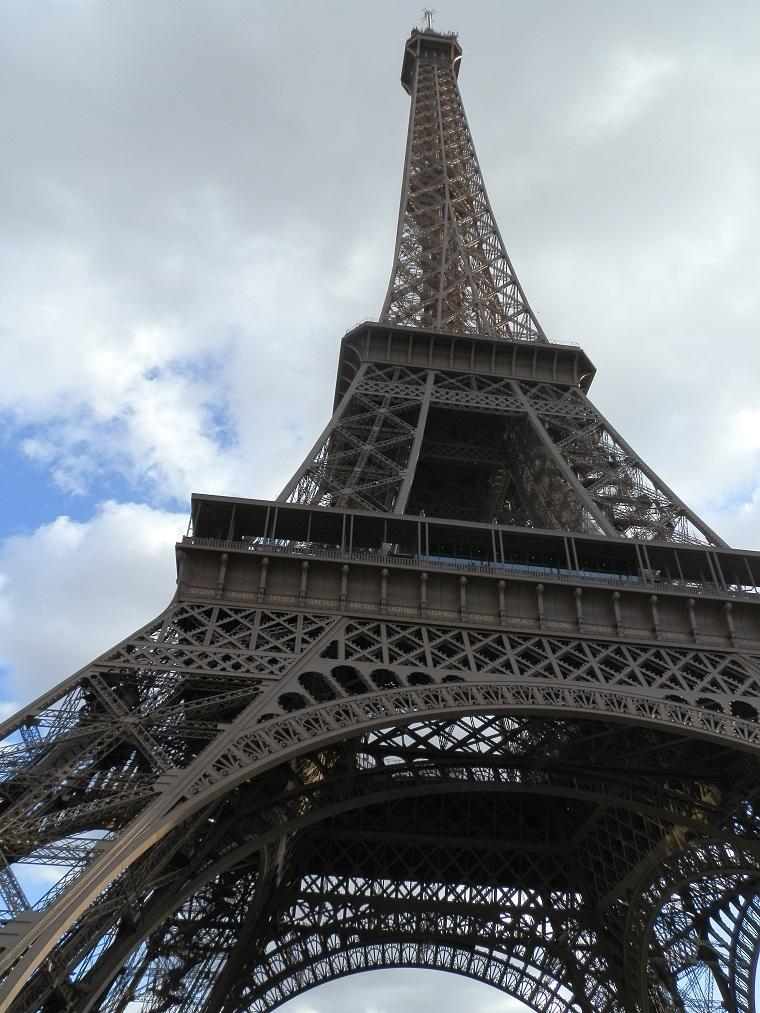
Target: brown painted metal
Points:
(478, 693)
(451, 271)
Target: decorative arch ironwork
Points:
(429, 757)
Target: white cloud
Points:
(631, 82)
(404, 991)
(739, 520)
(171, 279)
(7, 709)
(70, 590)
(100, 388)
(175, 400)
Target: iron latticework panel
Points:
(478, 693)
(451, 271)
(273, 842)
(476, 447)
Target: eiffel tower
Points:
(478, 692)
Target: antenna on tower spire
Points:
(428, 14)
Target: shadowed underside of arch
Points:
(384, 749)
(534, 986)
(487, 844)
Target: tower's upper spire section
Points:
(451, 271)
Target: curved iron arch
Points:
(331, 951)
(744, 954)
(374, 721)
(669, 879)
(538, 997)
(425, 786)
(288, 735)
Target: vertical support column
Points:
(231, 528)
(343, 585)
(181, 557)
(579, 609)
(304, 580)
(692, 620)
(540, 611)
(616, 611)
(423, 593)
(729, 608)
(655, 615)
(223, 561)
(263, 578)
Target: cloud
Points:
(404, 991)
(70, 590)
(197, 208)
(634, 81)
(168, 275)
(7, 709)
(170, 401)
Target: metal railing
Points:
(490, 568)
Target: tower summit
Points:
(451, 271)
(478, 692)
(456, 405)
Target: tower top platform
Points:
(439, 47)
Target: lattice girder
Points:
(634, 499)
(362, 457)
(451, 271)
(332, 695)
(407, 439)
(325, 929)
(460, 745)
(732, 934)
(93, 762)
(675, 902)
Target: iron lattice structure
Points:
(477, 693)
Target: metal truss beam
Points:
(546, 456)
(451, 271)
(330, 696)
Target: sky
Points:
(199, 197)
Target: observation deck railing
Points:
(631, 582)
